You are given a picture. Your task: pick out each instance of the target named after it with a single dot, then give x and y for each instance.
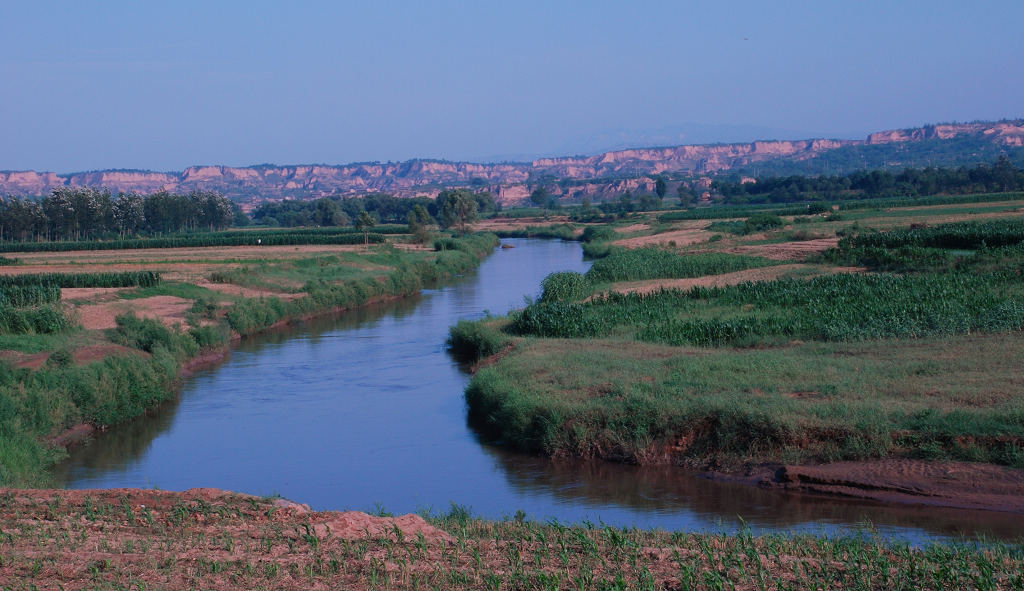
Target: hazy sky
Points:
(88, 85)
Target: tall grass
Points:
(566, 286)
(831, 308)
(45, 319)
(37, 403)
(963, 235)
(122, 279)
(653, 263)
(29, 295)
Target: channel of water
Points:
(366, 411)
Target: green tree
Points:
(541, 197)
(660, 187)
(685, 195)
(129, 215)
(419, 224)
(457, 208)
(363, 224)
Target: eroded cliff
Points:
(507, 180)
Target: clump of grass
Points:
(759, 222)
(475, 340)
(598, 234)
(48, 319)
(566, 286)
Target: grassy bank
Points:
(641, 403)
(152, 539)
(57, 375)
(922, 364)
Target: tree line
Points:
(911, 182)
(83, 213)
(344, 211)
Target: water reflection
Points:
(122, 447)
(675, 498)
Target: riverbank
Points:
(878, 384)
(210, 539)
(49, 403)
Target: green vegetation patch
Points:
(271, 238)
(651, 404)
(38, 403)
(759, 222)
(29, 295)
(122, 279)
(964, 235)
(830, 308)
(622, 264)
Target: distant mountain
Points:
(599, 175)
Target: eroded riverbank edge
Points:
(890, 480)
(957, 485)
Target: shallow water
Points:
(366, 410)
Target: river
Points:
(366, 411)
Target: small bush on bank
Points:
(567, 286)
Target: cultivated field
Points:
(208, 539)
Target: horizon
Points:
(155, 88)
(517, 162)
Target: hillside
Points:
(610, 172)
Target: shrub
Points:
(566, 286)
(150, 335)
(474, 340)
(61, 358)
(598, 234)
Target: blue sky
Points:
(89, 85)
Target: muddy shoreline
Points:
(956, 485)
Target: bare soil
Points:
(786, 251)
(170, 310)
(942, 484)
(681, 237)
(156, 538)
(497, 224)
(216, 540)
(91, 294)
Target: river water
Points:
(366, 411)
